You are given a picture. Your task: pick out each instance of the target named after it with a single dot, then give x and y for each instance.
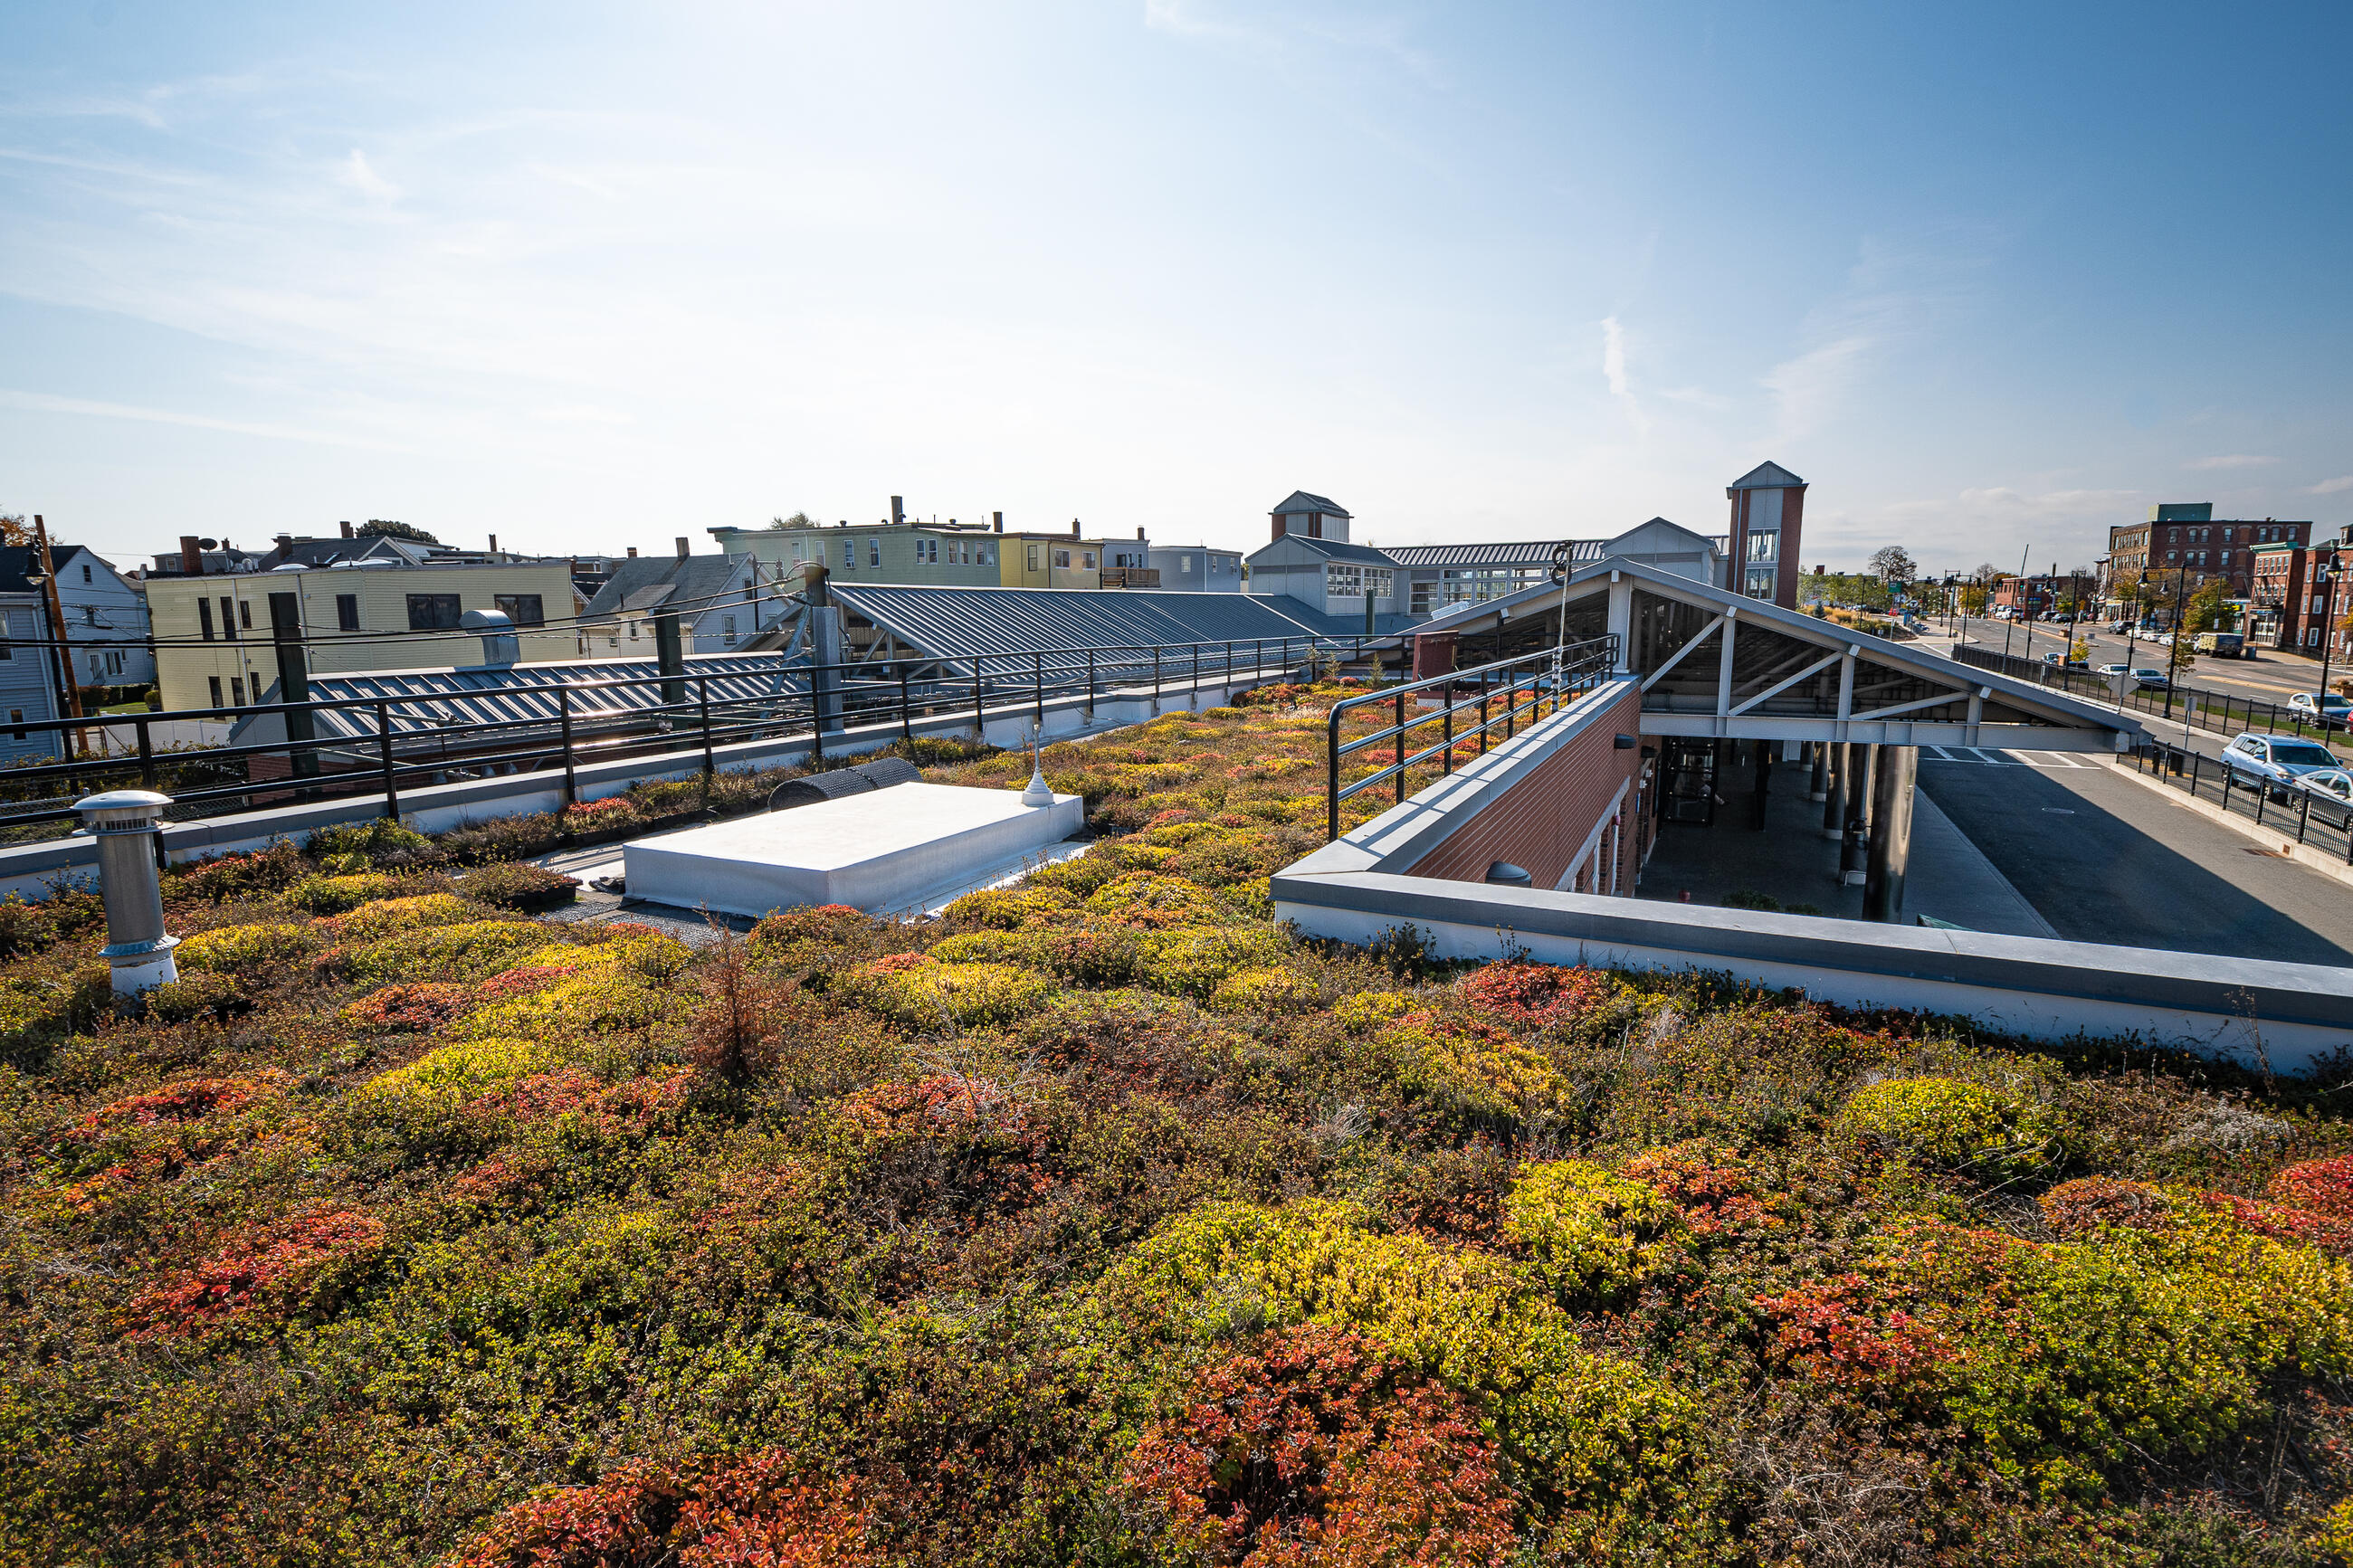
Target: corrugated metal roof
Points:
(1766, 476)
(426, 701)
(1532, 552)
(1307, 500)
(953, 622)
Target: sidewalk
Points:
(1790, 861)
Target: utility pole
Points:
(2173, 649)
(53, 606)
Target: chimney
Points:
(898, 509)
(285, 546)
(633, 553)
(1074, 528)
(494, 545)
(996, 521)
(1139, 535)
(192, 554)
(680, 543)
(346, 526)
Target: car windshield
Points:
(2331, 700)
(2303, 754)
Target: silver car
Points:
(2331, 790)
(2274, 761)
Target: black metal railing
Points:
(2280, 809)
(384, 746)
(1509, 692)
(2202, 707)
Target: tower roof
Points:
(1302, 500)
(1766, 476)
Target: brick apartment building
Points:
(2186, 536)
(2289, 608)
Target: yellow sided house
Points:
(214, 633)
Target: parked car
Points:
(2221, 645)
(2112, 670)
(2274, 761)
(2331, 790)
(2153, 679)
(2326, 708)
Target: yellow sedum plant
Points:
(1592, 1236)
(390, 917)
(235, 950)
(462, 1071)
(927, 995)
(1951, 1124)
(1613, 1443)
(1271, 990)
(473, 950)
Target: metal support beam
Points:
(1833, 774)
(1676, 658)
(1858, 792)
(1818, 787)
(1724, 676)
(1890, 834)
(1621, 620)
(1780, 686)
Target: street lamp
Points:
(2327, 633)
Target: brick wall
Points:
(1544, 820)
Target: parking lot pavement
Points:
(2105, 860)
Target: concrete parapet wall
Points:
(2244, 1009)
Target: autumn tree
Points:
(1893, 564)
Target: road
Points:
(2270, 674)
(2105, 860)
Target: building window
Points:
(523, 609)
(1087, 560)
(85, 574)
(1185, 565)
(1062, 560)
(1759, 583)
(114, 662)
(1764, 547)
(849, 552)
(245, 614)
(347, 612)
(633, 631)
(204, 617)
(228, 618)
(17, 716)
(214, 682)
(987, 555)
(874, 552)
(236, 691)
(1033, 557)
(433, 612)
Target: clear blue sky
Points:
(1991, 276)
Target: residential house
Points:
(721, 603)
(105, 614)
(935, 555)
(372, 612)
(1196, 568)
(28, 671)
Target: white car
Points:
(2276, 762)
(2325, 708)
(2112, 670)
(2331, 790)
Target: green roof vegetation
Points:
(1104, 1222)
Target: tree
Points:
(385, 528)
(798, 519)
(1986, 572)
(1893, 564)
(1973, 598)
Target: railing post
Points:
(1091, 686)
(1446, 711)
(1038, 688)
(1332, 778)
(1195, 702)
(383, 748)
(563, 732)
(1399, 763)
(979, 714)
(1155, 679)
(146, 754)
(702, 702)
(2304, 817)
(906, 712)
(817, 720)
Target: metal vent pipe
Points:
(124, 823)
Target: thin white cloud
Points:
(44, 403)
(1613, 370)
(2233, 460)
(2337, 486)
(356, 173)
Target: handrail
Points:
(386, 741)
(1558, 674)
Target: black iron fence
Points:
(1509, 692)
(2203, 709)
(384, 746)
(2291, 813)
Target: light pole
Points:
(2327, 634)
(2173, 649)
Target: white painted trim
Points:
(1593, 840)
(1676, 658)
(1780, 687)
